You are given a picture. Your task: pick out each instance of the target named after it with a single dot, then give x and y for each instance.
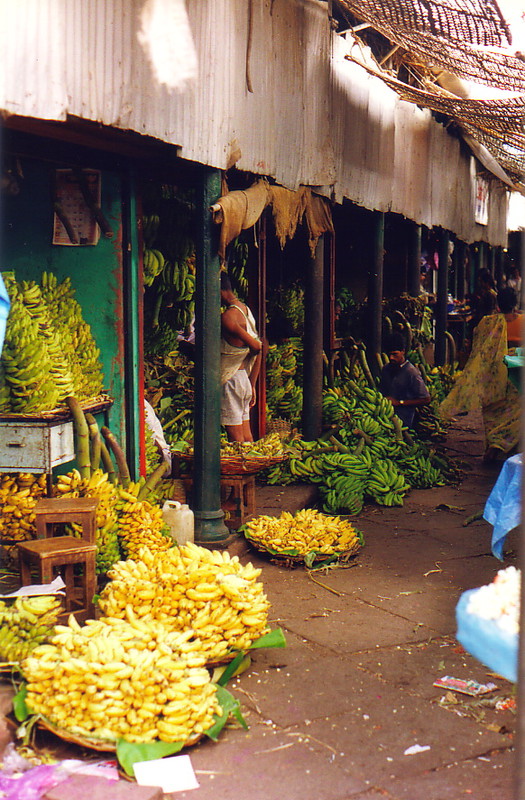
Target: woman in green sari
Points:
(484, 383)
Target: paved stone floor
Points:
(332, 715)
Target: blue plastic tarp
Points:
(503, 507)
(486, 640)
(5, 305)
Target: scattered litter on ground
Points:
(416, 748)
(464, 686)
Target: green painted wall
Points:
(95, 271)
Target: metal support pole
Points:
(313, 345)
(414, 260)
(375, 286)
(461, 249)
(133, 308)
(440, 345)
(209, 517)
(498, 268)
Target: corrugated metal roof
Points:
(311, 118)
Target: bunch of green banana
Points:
(153, 263)
(237, 261)
(25, 624)
(307, 531)
(420, 472)
(123, 678)
(5, 393)
(79, 350)
(26, 361)
(386, 485)
(284, 396)
(191, 588)
(150, 229)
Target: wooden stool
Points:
(52, 511)
(238, 492)
(61, 553)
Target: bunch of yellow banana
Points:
(25, 624)
(97, 486)
(140, 524)
(19, 493)
(270, 445)
(121, 678)
(191, 588)
(305, 532)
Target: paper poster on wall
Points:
(76, 199)
(481, 201)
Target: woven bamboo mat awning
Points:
(469, 39)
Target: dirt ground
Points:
(348, 710)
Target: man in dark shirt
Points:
(401, 381)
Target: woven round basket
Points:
(239, 464)
(93, 742)
(281, 426)
(291, 560)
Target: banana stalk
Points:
(152, 480)
(81, 437)
(120, 458)
(95, 440)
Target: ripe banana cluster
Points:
(270, 445)
(19, 493)
(302, 533)
(140, 524)
(121, 678)
(26, 623)
(191, 588)
(97, 486)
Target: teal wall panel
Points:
(95, 271)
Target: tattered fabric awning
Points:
(468, 39)
(240, 209)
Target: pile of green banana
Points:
(49, 352)
(153, 263)
(237, 261)
(26, 623)
(366, 453)
(284, 395)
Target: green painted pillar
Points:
(375, 286)
(209, 517)
(440, 346)
(313, 345)
(132, 291)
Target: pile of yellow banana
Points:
(270, 445)
(97, 486)
(140, 524)
(116, 678)
(305, 532)
(191, 588)
(25, 624)
(19, 493)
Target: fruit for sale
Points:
(26, 623)
(305, 532)
(121, 679)
(19, 493)
(191, 588)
